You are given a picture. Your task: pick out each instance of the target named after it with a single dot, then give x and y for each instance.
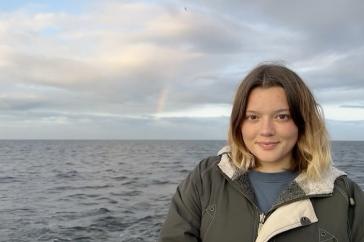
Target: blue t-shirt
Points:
(268, 186)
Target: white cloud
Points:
(157, 61)
(340, 113)
(203, 111)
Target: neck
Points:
(272, 168)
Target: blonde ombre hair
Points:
(311, 154)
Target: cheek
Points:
(290, 132)
(244, 131)
(248, 133)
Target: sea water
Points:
(105, 190)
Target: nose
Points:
(267, 127)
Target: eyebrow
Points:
(276, 111)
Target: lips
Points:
(267, 145)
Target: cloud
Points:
(116, 64)
(352, 106)
(346, 113)
(20, 103)
(335, 70)
(339, 96)
(346, 130)
(108, 126)
(323, 25)
(157, 61)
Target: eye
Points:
(283, 116)
(251, 117)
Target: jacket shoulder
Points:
(208, 163)
(204, 171)
(356, 208)
(204, 168)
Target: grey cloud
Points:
(345, 72)
(332, 25)
(217, 34)
(340, 95)
(201, 90)
(201, 63)
(221, 40)
(346, 130)
(83, 126)
(295, 31)
(353, 106)
(79, 77)
(48, 70)
(19, 104)
(203, 35)
(331, 21)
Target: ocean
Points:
(105, 190)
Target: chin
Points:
(266, 158)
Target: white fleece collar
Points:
(323, 186)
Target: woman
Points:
(275, 181)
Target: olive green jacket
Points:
(215, 203)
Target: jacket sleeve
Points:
(357, 231)
(184, 215)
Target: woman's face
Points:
(268, 130)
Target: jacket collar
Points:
(325, 185)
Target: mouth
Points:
(267, 145)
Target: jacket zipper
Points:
(261, 221)
(262, 216)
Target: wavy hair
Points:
(311, 154)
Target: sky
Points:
(169, 69)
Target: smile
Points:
(267, 145)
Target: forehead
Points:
(267, 98)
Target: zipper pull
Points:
(261, 221)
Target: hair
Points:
(311, 153)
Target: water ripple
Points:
(105, 190)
